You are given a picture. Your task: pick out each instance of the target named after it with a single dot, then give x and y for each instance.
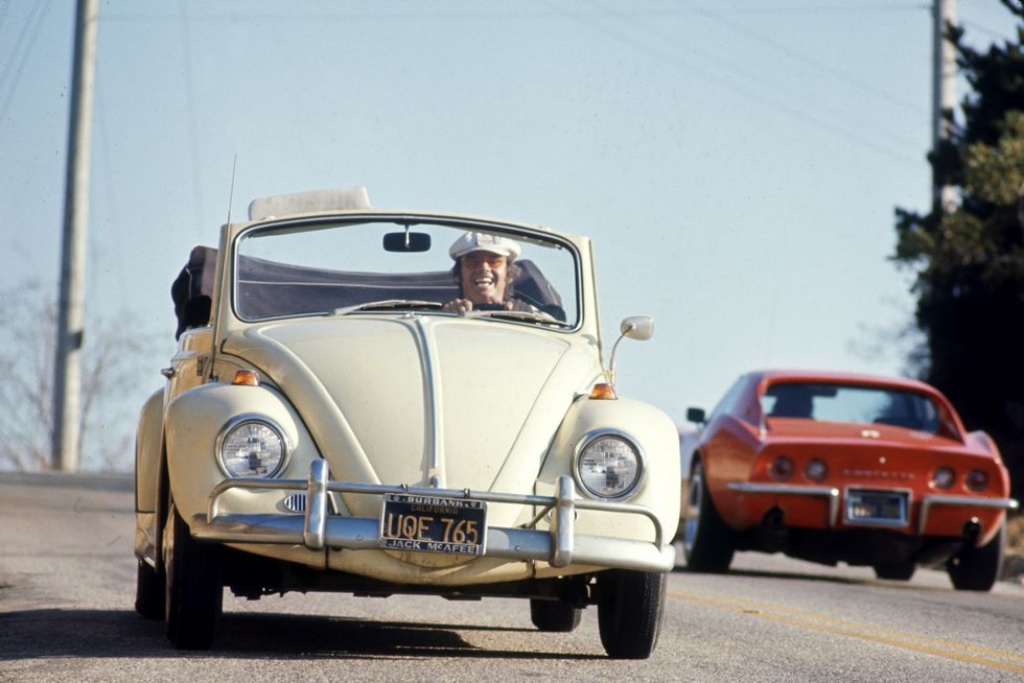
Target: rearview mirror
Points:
(407, 241)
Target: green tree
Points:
(970, 260)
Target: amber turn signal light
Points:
(603, 391)
(249, 378)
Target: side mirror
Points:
(696, 415)
(640, 327)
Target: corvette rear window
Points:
(850, 403)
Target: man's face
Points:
(484, 277)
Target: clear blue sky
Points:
(737, 162)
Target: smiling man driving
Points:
(485, 271)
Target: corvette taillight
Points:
(816, 469)
(943, 478)
(977, 480)
(781, 468)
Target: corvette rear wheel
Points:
(195, 592)
(629, 611)
(707, 541)
(895, 571)
(978, 569)
(554, 616)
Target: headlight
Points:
(609, 465)
(251, 447)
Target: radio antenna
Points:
(231, 192)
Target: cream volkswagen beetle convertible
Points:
(342, 416)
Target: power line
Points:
(845, 8)
(975, 26)
(788, 52)
(643, 44)
(20, 53)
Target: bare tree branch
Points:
(110, 364)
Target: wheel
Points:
(195, 592)
(895, 571)
(978, 569)
(707, 541)
(629, 612)
(554, 616)
(150, 591)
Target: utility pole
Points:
(943, 94)
(67, 363)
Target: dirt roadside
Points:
(1013, 565)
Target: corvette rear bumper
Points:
(834, 496)
(945, 500)
(317, 529)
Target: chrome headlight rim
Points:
(595, 435)
(241, 420)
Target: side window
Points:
(730, 402)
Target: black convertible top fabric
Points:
(273, 289)
(193, 288)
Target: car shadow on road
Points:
(835, 579)
(789, 576)
(40, 634)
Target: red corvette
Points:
(831, 467)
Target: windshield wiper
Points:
(530, 316)
(386, 305)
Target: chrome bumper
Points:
(833, 496)
(828, 492)
(927, 502)
(317, 529)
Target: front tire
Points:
(629, 610)
(978, 569)
(150, 591)
(554, 616)
(195, 591)
(707, 541)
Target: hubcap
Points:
(693, 498)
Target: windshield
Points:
(851, 403)
(339, 268)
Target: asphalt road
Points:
(67, 580)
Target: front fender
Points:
(658, 438)
(148, 446)
(198, 416)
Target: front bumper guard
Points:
(317, 529)
(832, 494)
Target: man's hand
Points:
(459, 306)
(462, 306)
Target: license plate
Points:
(430, 524)
(877, 507)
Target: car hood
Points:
(424, 400)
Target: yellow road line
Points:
(942, 647)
